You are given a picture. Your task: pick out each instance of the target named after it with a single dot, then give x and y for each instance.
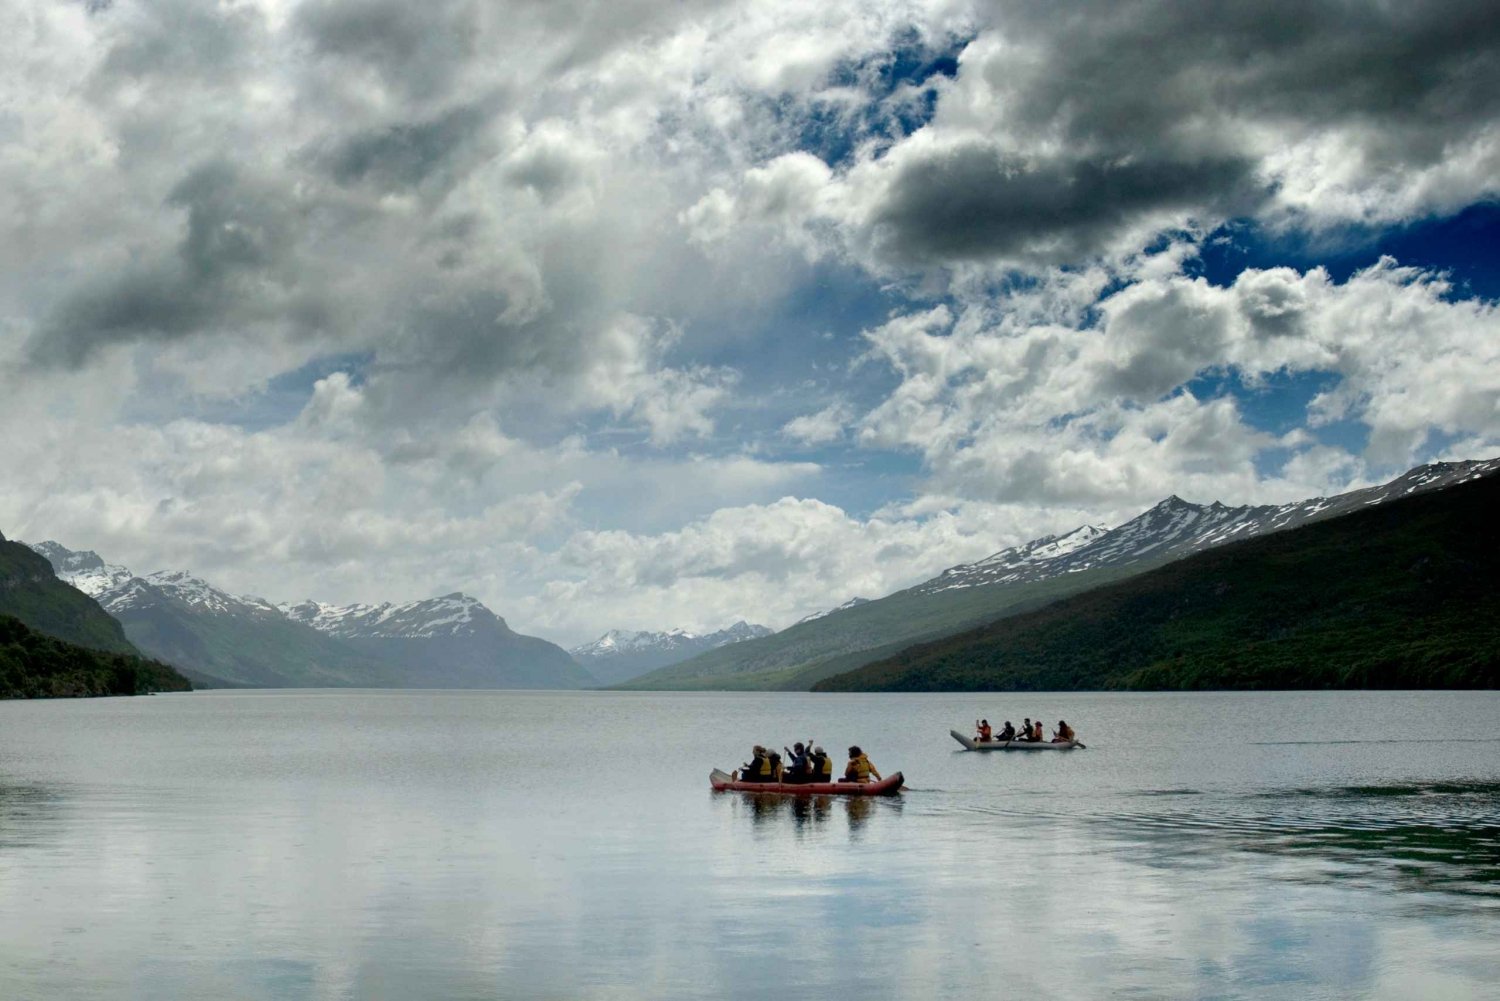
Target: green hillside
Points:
(795, 658)
(31, 592)
(1398, 596)
(34, 666)
(262, 650)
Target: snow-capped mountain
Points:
(622, 654)
(195, 592)
(83, 569)
(851, 603)
(448, 642)
(1176, 528)
(1022, 578)
(451, 615)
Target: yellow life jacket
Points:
(823, 766)
(860, 766)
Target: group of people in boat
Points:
(804, 763)
(1029, 733)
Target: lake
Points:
(364, 844)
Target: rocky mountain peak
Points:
(68, 561)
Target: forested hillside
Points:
(30, 591)
(1401, 595)
(35, 666)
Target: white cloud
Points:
(828, 424)
(504, 234)
(1004, 410)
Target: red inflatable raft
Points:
(888, 786)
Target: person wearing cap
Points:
(859, 768)
(759, 769)
(822, 766)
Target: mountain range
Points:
(1395, 595)
(219, 638)
(454, 641)
(448, 642)
(621, 654)
(1019, 580)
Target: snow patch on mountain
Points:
(1175, 528)
(851, 603)
(454, 614)
(82, 569)
(201, 594)
(620, 642)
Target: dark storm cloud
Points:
(180, 39)
(1142, 72)
(415, 49)
(1159, 103)
(408, 154)
(232, 266)
(972, 202)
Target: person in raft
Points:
(983, 726)
(1064, 733)
(822, 765)
(1026, 729)
(1037, 736)
(859, 768)
(1007, 733)
(759, 769)
(800, 768)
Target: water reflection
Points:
(804, 813)
(296, 846)
(30, 814)
(1427, 837)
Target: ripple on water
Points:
(1428, 837)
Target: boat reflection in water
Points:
(807, 812)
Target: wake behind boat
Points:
(970, 744)
(888, 786)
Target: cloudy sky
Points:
(647, 314)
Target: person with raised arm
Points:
(799, 767)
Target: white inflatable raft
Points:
(970, 744)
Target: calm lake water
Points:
(329, 845)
